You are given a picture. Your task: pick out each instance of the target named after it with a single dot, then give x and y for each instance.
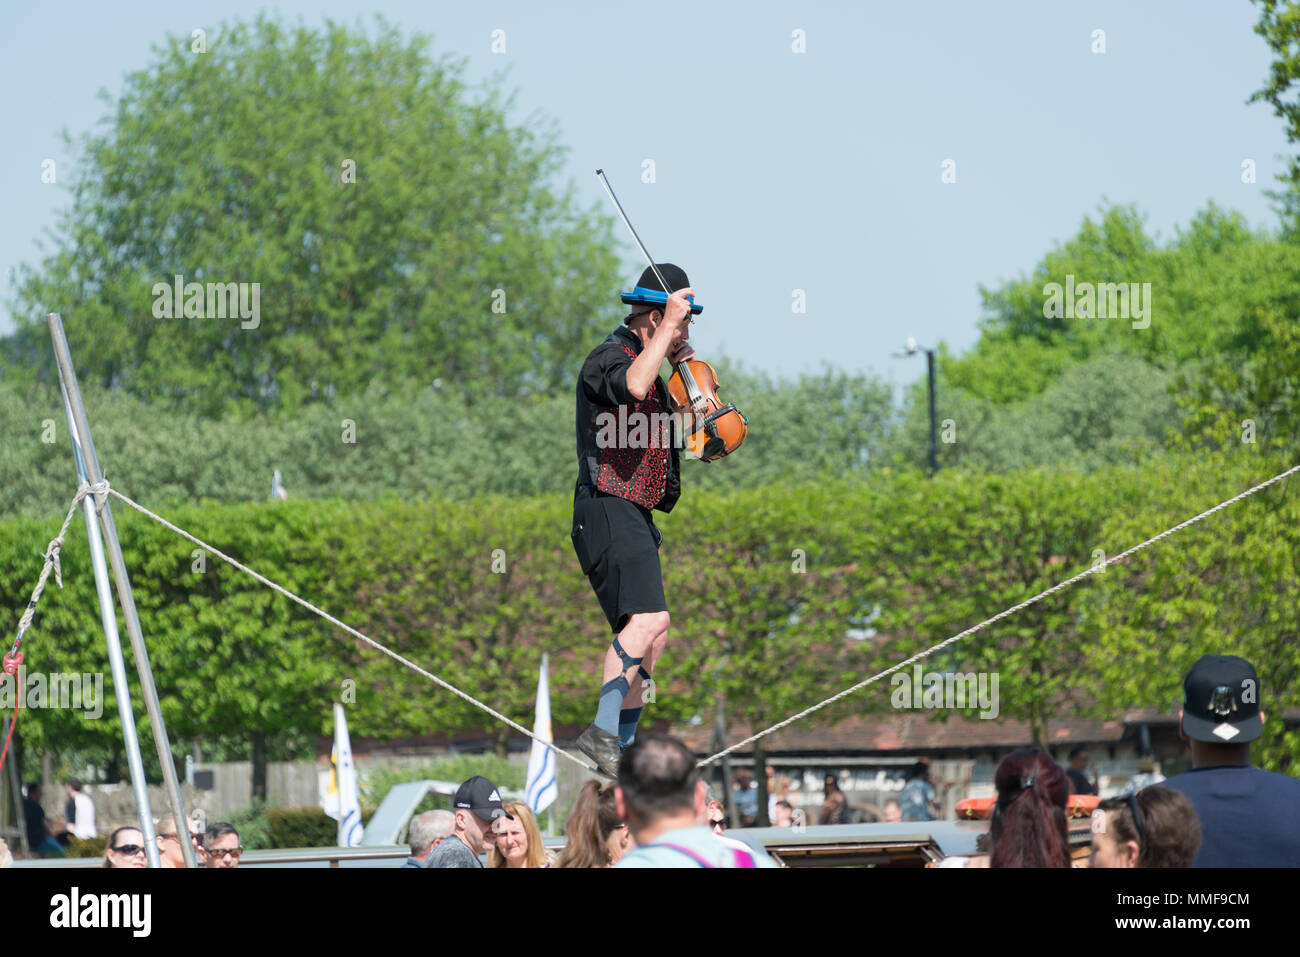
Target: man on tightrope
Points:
(628, 464)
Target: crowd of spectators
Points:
(660, 812)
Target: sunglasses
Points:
(226, 852)
(130, 850)
(1137, 815)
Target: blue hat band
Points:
(655, 297)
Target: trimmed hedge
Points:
(779, 596)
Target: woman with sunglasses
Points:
(125, 848)
(1154, 827)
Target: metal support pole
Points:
(719, 744)
(16, 784)
(934, 446)
(108, 617)
(89, 462)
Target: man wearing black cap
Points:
(478, 804)
(622, 475)
(1249, 817)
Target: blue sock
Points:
(611, 700)
(627, 726)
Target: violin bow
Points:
(626, 222)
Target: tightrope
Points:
(1000, 615)
(348, 628)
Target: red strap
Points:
(12, 662)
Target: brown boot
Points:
(602, 747)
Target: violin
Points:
(712, 429)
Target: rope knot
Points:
(100, 491)
(52, 556)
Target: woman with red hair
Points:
(1028, 828)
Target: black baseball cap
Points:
(480, 795)
(1221, 701)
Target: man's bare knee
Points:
(647, 624)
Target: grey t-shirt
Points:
(452, 853)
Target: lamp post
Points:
(910, 348)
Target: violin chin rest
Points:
(716, 446)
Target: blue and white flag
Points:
(342, 801)
(541, 790)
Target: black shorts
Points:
(617, 545)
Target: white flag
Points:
(541, 790)
(341, 800)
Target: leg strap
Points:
(628, 660)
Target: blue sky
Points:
(777, 170)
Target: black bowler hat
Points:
(480, 796)
(649, 290)
(1221, 701)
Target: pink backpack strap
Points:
(741, 858)
(685, 850)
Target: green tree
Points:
(1227, 585)
(1279, 25)
(412, 443)
(1108, 409)
(397, 225)
(1048, 390)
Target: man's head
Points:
(34, 791)
(222, 842)
(645, 316)
(169, 837)
(428, 831)
(74, 787)
(784, 814)
(892, 812)
(478, 804)
(658, 781)
(1221, 714)
(1079, 758)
